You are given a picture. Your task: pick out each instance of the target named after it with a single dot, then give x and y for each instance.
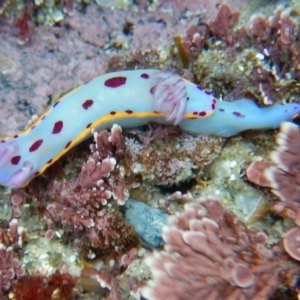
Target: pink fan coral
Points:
(210, 254)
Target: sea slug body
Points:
(130, 99)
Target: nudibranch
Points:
(130, 99)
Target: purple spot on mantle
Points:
(238, 114)
(145, 76)
(115, 82)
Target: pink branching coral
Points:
(95, 173)
(260, 59)
(192, 44)
(10, 267)
(291, 243)
(80, 205)
(255, 173)
(284, 177)
(16, 202)
(14, 235)
(197, 36)
(281, 24)
(95, 183)
(277, 38)
(283, 174)
(210, 254)
(224, 22)
(108, 148)
(96, 223)
(96, 227)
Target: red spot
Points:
(202, 113)
(87, 104)
(152, 90)
(3, 141)
(89, 125)
(192, 118)
(57, 127)
(238, 114)
(145, 76)
(36, 145)
(49, 161)
(68, 144)
(213, 106)
(195, 113)
(129, 111)
(115, 81)
(43, 118)
(24, 24)
(15, 136)
(156, 112)
(112, 112)
(36, 173)
(15, 160)
(56, 103)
